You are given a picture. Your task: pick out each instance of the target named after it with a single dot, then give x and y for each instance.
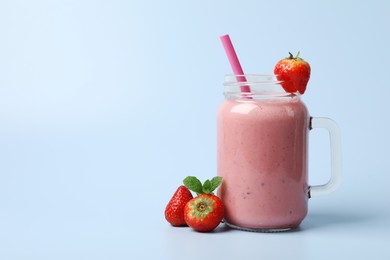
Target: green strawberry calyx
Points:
(291, 57)
(194, 184)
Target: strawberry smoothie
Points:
(262, 157)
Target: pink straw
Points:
(234, 62)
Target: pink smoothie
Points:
(262, 157)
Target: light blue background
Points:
(105, 106)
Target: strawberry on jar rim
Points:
(294, 73)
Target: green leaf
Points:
(207, 187)
(215, 182)
(192, 183)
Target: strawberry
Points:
(174, 211)
(204, 212)
(294, 72)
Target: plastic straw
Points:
(234, 62)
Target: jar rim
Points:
(232, 79)
(260, 85)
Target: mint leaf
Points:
(192, 183)
(207, 187)
(215, 182)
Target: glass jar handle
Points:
(335, 156)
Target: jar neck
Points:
(255, 86)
